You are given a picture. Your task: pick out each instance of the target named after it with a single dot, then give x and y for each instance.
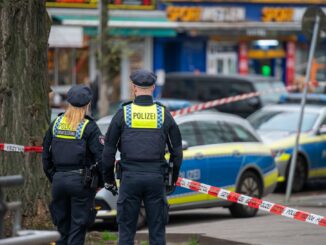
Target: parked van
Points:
(203, 87)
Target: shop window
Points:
(51, 66)
(65, 67)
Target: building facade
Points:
(211, 36)
(227, 37)
(73, 40)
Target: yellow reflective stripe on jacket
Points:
(55, 123)
(61, 129)
(84, 124)
(144, 116)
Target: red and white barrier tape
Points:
(223, 101)
(184, 111)
(252, 202)
(20, 148)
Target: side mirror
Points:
(322, 129)
(185, 145)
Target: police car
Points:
(277, 125)
(220, 150)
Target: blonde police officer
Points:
(141, 130)
(71, 146)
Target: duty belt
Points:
(77, 171)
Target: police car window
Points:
(215, 132)
(189, 134)
(242, 134)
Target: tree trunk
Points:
(24, 110)
(104, 80)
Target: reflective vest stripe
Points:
(84, 124)
(127, 113)
(160, 116)
(56, 125)
(71, 134)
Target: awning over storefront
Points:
(121, 23)
(66, 36)
(156, 24)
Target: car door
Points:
(223, 157)
(318, 167)
(194, 166)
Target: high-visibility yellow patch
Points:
(317, 172)
(144, 116)
(61, 129)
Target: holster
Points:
(87, 177)
(118, 170)
(91, 177)
(169, 179)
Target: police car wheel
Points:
(249, 185)
(300, 174)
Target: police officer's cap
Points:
(79, 95)
(143, 78)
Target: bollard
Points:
(16, 220)
(5, 182)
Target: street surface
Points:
(262, 229)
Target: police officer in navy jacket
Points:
(72, 146)
(141, 130)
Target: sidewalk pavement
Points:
(263, 229)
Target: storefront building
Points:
(229, 37)
(73, 39)
(213, 36)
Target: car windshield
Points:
(282, 120)
(263, 86)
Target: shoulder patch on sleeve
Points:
(101, 139)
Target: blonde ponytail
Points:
(74, 115)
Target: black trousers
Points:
(72, 207)
(149, 188)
